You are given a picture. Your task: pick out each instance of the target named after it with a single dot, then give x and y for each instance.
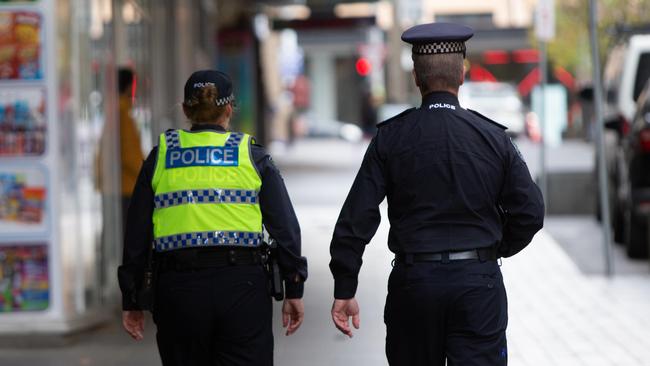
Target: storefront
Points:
(60, 214)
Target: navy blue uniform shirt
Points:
(277, 214)
(448, 174)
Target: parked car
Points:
(326, 128)
(635, 179)
(626, 71)
(497, 101)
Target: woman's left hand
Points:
(293, 313)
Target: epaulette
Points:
(488, 120)
(384, 123)
(254, 142)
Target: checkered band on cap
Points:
(208, 239)
(439, 47)
(172, 139)
(224, 100)
(199, 196)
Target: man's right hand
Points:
(133, 322)
(342, 310)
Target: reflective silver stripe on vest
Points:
(197, 196)
(234, 139)
(207, 239)
(172, 139)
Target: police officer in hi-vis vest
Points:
(459, 197)
(202, 198)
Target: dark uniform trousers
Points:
(454, 311)
(214, 316)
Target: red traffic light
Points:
(363, 66)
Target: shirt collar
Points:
(207, 127)
(441, 97)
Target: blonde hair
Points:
(202, 107)
(438, 71)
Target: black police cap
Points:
(436, 38)
(204, 78)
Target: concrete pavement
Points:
(581, 238)
(558, 315)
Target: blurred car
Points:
(388, 110)
(626, 71)
(326, 128)
(497, 101)
(635, 179)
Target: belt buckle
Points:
(444, 257)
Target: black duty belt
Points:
(483, 254)
(186, 259)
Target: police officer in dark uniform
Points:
(203, 198)
(460, 196)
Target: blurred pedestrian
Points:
(130, 147)
(368, 113)
(201, 198)
(301, 91)
(460, 196)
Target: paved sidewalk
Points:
(558, 315)
(581, 237)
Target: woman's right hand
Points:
(133, 323)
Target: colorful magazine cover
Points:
(24, 278)
(20, 45)
(22, 121)
(23, 196)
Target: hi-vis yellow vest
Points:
(206, 191)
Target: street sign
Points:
(545, 20)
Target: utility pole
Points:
(600, 139)
(396, 91)
(545, 31)
(543, 174)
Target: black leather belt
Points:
(483, 254)
(186, 259)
